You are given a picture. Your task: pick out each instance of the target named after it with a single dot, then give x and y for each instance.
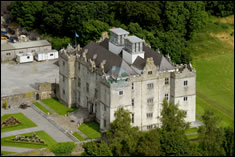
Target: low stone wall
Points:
(15, 100)
(46, 90)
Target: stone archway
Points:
(37, 96)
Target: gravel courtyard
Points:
(22, 78)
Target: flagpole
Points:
(75, 40)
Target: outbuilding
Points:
(46, 55)
(23, 58)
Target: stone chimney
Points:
(84, 55)
(102, 65)
(78, 47)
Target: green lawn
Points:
(42, 134)
(57, 106)
(191, 130)
(25, 122)
(42, 108)
(214, 62)
(6, 153)
(78, 136)
(91, 130)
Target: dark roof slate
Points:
(102, 54)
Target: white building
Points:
(46, 55)
(10, 50)
(24, 58)
(125, 72)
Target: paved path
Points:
(22, 131)
(43, 123)
(15, 149)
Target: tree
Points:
(63, 148)
(211, 137)
(26, 12)
(228, 143)
(149, 144)
(122, 137)
(173, 140)
(96, 149)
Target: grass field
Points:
(91, 130)
(41, 107)
(213, 59)
(79, 137)
(58, 107)
(6, 153)
(25, 122)
(42, 134)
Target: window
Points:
(132, 117)
(166, 81)
(185, 83)
(104, 123)
(78, 97)
(104, 108)
(120, 92)
(8, 54)
(21, 52)
(150, 85)
(33, 51)
(87, 87)
(150, 101)
(87, 101)
(51, 54)
(185, 112)
(63, 78)
(63, 63)
(150, 72)
(63, 91)
(28, 57)
(132, 86)
(132, 102)
(96, 93)
(166, 96)
(78, 66)
(149, 115)
(185, 98)
(79, 82)
(149, 126)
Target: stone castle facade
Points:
(124, 72)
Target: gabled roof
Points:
(139, 63)
(112, 60)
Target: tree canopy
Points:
(165, 25)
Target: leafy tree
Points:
(96, 149)
(220, 8)
(211, 137)
(26, 12)
(63, 148)
(92, 30)
(228, 143)
(173, 140)
(149, 144)
(122, 137)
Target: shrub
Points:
(5, 104)
(63, 148)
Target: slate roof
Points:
(139, 63)
(104, 54)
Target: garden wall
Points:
(46, 90)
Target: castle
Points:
(125, 72)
